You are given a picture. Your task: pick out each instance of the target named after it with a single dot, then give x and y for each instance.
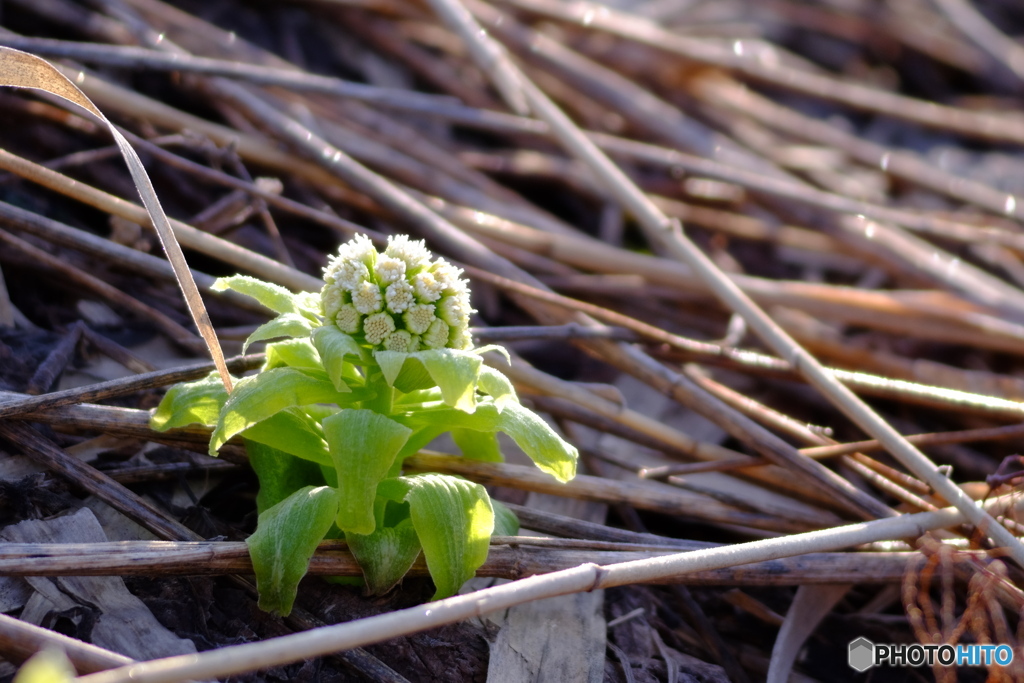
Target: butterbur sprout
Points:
(398, 300)
(362, 377)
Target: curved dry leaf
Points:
(23, 70)
(810, 606)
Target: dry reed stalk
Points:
(931, 439)
(931, 315)
(984, 34)
(510, 557)
(667, 122)
(31, 443)
(460, 184)
(401, 137)
(945, 229)
(602, 490)
(827, 344)
(907, 166)
(259, 152)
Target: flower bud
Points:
(398, 300)
(377, 327)
(366, 297)
(437, 335)
(402, 341)
(331, 301)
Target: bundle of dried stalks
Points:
(786, 238)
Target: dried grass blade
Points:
(22, 70)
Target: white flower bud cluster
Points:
(400, 300)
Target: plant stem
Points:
(383, 401)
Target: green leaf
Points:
(308, 302)
(255, 399)
(455, 373)
(505, 521)
(547, 449)
(279, 473)
(454, 520)
(484, 419)
(190, 403)
(497, 386)
(330, 475)
(46, 666)
(274, 297)
(386, 555)
(403, 371)
(318, 411)
(336, 350)
(393, 489)
(390, 363)
(482, 446)
(363, 445)
(286, 537)
(292, 353)
(284, 325)
(293, 432)
(407, 401)
(487, 348)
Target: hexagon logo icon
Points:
(862, 654)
